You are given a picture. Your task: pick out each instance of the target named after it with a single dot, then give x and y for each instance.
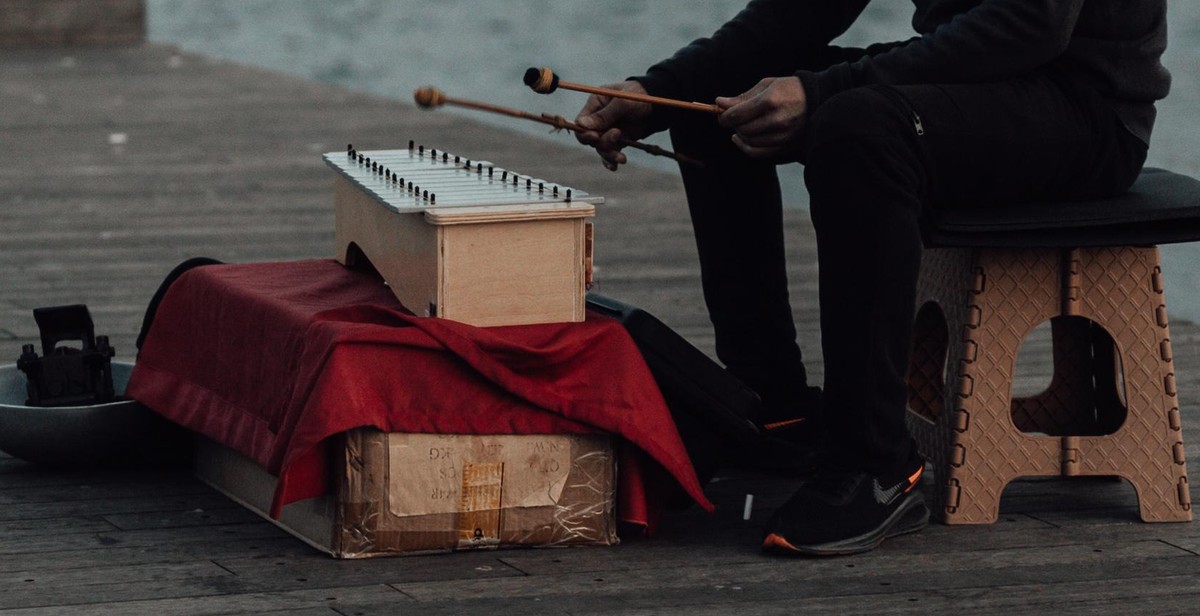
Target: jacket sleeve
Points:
(767, 38)
(997, 39)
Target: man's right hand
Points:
(608, 119)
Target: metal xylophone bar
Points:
(419, 178)
(466, 189)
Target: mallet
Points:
(544, 81)
(429, 97)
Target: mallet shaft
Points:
(429, 97)
(544, 81)
(642, 98)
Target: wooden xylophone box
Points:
(465, 240)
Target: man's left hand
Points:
(767, 119)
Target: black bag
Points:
(711, 407)
(156, 299)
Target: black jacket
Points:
(1113, 46)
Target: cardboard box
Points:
(413, 493)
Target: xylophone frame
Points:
(508, 263)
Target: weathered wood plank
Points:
(28, 588)
(207, 547)
(850, 584)
(195, 578)
(225, 513)
(345, 600)
(138, 538)
(118, 485)
(311, 568)
(1152, 597)
(30, 530)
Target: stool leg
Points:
(944, 284)
(1123, 293)
(980, 450)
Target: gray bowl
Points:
(68, 436)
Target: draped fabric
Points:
(273, 359)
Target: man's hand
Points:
(608, 119)
(767, 119)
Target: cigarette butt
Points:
(748, 507)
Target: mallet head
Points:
(429, 97)
(542, 80)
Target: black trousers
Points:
(876, 160)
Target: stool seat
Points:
(988, 278)
(1160, 208)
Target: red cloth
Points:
(272, 359)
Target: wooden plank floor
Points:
(115, 165)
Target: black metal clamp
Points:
(66, 375)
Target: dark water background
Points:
(479, 49)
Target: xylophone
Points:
(464, 240)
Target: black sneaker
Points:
(847, 512)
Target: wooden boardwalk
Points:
(115, 165)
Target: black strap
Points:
(152, 309)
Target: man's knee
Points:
(866, 114)
(860, 154)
